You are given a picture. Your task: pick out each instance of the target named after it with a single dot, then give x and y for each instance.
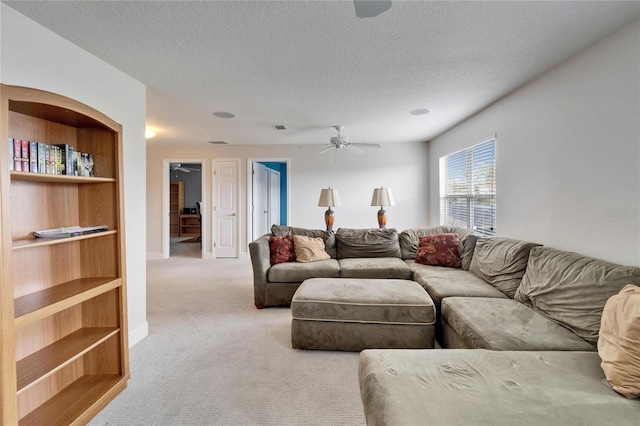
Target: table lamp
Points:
(382, 197)
(329, 197)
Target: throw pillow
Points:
(282, 249)
(619, 341)
(309, 249)
(439, 250)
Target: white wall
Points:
(568, 153)
(35, 57)
(401, 167)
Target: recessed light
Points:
(222, 114)
(420, 112)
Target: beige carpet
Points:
(212, 358)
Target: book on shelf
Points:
(66, 159)
(10, 153)
(41, 157)
(33, 157)
(69, 231)
(25, 155)
(17, 155)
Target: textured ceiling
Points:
(313, 64)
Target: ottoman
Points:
(352, 314)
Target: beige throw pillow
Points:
(309, 249)
(619, 341)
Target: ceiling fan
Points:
(178, 167)
(371, 8)
(342, 142)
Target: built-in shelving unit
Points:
(63, 311)
(176, 206)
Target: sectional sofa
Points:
(530, 313)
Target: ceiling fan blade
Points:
(370, 145)
(312, 145)
(182, 169)
(371, 8)
(330, 147)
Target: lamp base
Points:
(382, 218)
(329, 217)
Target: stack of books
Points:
(52, 159)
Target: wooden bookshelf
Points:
(63, 311)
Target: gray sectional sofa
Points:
(531, 315)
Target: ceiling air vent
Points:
(280, 127)
(219, 142)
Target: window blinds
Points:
(468, 188)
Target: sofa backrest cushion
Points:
(572, 289)
(371, 242)
(328, 237)
(619, 341)
(501, 262)
(410, 239)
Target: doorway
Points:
(182, 222)
(268, 195)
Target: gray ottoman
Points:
(352, 314)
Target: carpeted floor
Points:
(212, 358)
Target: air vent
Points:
(280, 127)
(219, 142)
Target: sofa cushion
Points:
(367, 243)
(501, 262)
(328, 237)
(309, 249)
(296, 272)
(281, 249)
(463, 387)
(380, 267)
(619, 341)
(506, 325)
(410, 239)
(441, 282)
(572, 289)
(439, 250)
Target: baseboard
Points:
(154, 256)
(138, 334)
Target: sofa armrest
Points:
(261, 262)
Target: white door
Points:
(260, 193)
(274, 197)
(226, 209)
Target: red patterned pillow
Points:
(282, 249)
(439, 249)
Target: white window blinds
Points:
(468, 188)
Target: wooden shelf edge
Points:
(78, 402)
(34, 307)
(43, 177)
(48, 360)
(39, 242)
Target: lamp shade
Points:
(382, 197)
(329, 197)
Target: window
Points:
(468, 188)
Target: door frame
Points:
(214, 213)
(166, 178)
(250, 161)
